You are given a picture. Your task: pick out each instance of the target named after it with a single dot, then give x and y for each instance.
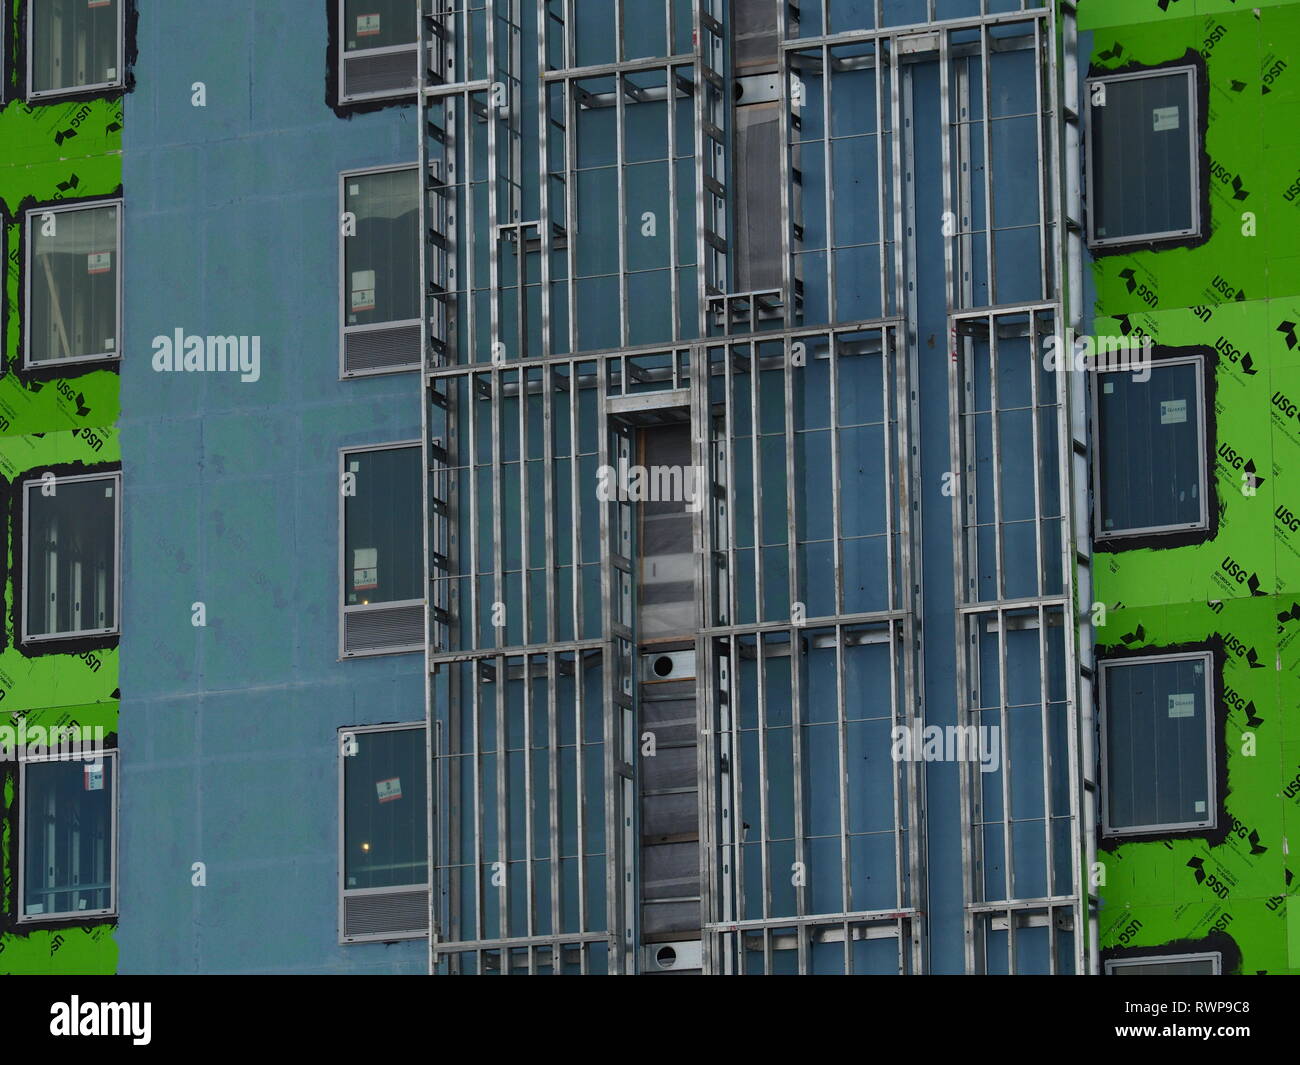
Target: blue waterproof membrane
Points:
(228, 732)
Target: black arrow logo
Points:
(1252, 582)
(1196, 864)
(64, 135)
(113, 127)
(1250, 469)
(71, 183)
(1252, 659)
(1248, 365)
(1125, 326)
(1290, 615)
(1136, 636)
(1127, 275)
(1237, 86)
(1238, 193)
(1255, 846)
(1114, 52)
(1252, 719)
(82, 409)
(1287, 329)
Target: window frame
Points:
(96, 88)
(32, 214)
(1103, 535)
(347, 100)
(1104, 665)
(362, 608)
(1199, 219)
(23, 918)
(344, 892)
(344, 329)
(115, 476)
(1160, 959)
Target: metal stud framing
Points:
(552, 333)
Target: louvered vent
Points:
(395, 913)
(383, 629)
(371, 350)
(381, 74)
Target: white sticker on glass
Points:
(365, 569)
(93, 777)
(99, 262)
(1182, 704)
(354, 190)
(1173, 411)
(363, 290)
(1200, 806)
(1108, 387)
(389, 789)
(367, 25)
(1164, 118)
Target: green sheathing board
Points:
(1233, 295)
(47, 153)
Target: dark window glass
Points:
(73, 44)
(379, 23)
(1157, 745)
(1142, 158)
(71, 557)
(381, 280)
(382, 544)
(73, 284)
(384, 809)
(67, 837)
(1152, 472)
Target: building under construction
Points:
(730, 487)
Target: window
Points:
(67, 837)
(379, 40)
(73, 46)
(383, 826)
(1158, 751)
(1143, 157)
(382, 550)
(71, 547)
(380, 261)
(73, 284)
(1172, 965)
(1151, 453)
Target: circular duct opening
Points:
(666, 957)
(663, 665)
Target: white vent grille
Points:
(380, 914)
(382, 630)
(375, 350)
(380, 74)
